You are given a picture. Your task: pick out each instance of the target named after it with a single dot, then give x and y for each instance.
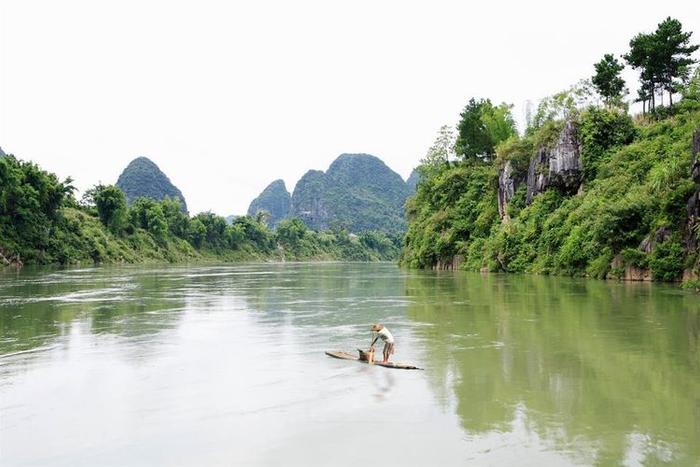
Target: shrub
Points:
(667, 261)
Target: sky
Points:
(228, 96)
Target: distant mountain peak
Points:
(143, 178)
(275, 199)
(358, 191)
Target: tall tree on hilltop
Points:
(675, 53)
(442, 150)
(482, 127)
(607, 79)
(643, 56)
(663, 57)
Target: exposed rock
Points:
(2, 153)
(143, 178)
(559, 166)
(12, 260)
(506, 189)
(629, 272)
(275, 199)
(451, 264)
(690, 275)
(308, 200)
(660, 236)
(412, 180)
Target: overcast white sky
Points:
(227, 96)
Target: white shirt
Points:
(386, 336)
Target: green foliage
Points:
(607, 79)
(290, 231)
(111, 207)
(358, 191)
(663, 58)
(667, 261)
(637, 179)
(482, 127)
(30, 202)
(692, 284)
(40, 222)
(562, 106)
(440, 153)
(635, 257)
(602, 131)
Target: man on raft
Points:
(383, 334)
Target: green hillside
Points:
(41, 222)
(588, 189)
(358, 192)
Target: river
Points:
(224, 365)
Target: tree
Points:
(290, 231)
(663, 58)
(692, 90)
(157, 225)
(110, 202)
(563, 105)
(674, 51)
(482, 127)
(607, 79)
(197, 232)
(176, 218)
(643, 56)
(442, 150)
(263, 216)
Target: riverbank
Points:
(600, 194)
(41, 222)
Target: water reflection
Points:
(606, 371)
(181, 365)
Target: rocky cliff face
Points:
(358, 191)
(309, 200)
(275, 199)
(694, 201)
(506, 189)
(143, 178)
(559, 166)
(412, 180)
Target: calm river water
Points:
(224, 365)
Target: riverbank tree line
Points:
(587, 188)
(42, 222)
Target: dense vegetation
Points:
(358, 192)
(586, 190)
(41, 222)
(275, 200)
(143, 178)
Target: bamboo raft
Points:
(348, 356)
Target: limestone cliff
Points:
(358, 192)
(143, 178)
(507, 185)
(559, 166)
(275, 199)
